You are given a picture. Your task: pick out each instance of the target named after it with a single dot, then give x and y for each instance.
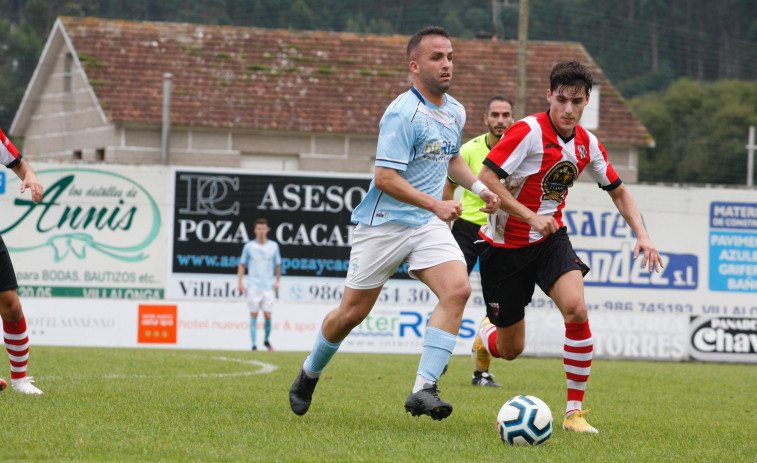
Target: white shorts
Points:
(260, 300)
(378, 251)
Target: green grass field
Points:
(169, 405)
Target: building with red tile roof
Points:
(269, 99)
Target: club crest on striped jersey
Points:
(557, 181)
(581, 152)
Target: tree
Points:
(645, 47)
(20, 47)
(700, 130)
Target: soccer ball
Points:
(524, 420)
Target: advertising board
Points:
(96, 233)
(162, 235)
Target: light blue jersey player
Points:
(402, 220)
(261, 260)
(417, 139)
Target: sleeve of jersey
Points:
(9, 155)
(244, 257)
(395, 142)
(277, 257)
(459, 144)
(507, 155)
(601, 169)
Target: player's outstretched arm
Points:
(628, 208)
(29, 180)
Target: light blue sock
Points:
(267, 329)
(437, 348)
(321, 354)
(253, 329)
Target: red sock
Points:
(490, 334)
(17, 345)
(577, 355)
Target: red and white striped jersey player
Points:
(531, 170)
(14, 323)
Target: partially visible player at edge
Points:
(498, 117)
(261, 259)
(14, 322)
(402, 219)
(539, 158)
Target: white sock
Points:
(420, 383)
(309, 373)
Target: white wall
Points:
(102, 242)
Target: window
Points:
(77, 155)
(100, 155)
(68, 71)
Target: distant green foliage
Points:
(17, 44)
(642, 46)
(326, 70)
(90, 62)
(700, 130)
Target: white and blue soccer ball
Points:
(524, 420)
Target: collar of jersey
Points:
(420, 96)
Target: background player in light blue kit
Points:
(262, 260)
(402, 220)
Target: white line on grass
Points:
(264, 368)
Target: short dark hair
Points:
(261, 222)
(570, 74)
(415, 40)
(498, 98)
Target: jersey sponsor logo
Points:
(557, 181)
(438, 150)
